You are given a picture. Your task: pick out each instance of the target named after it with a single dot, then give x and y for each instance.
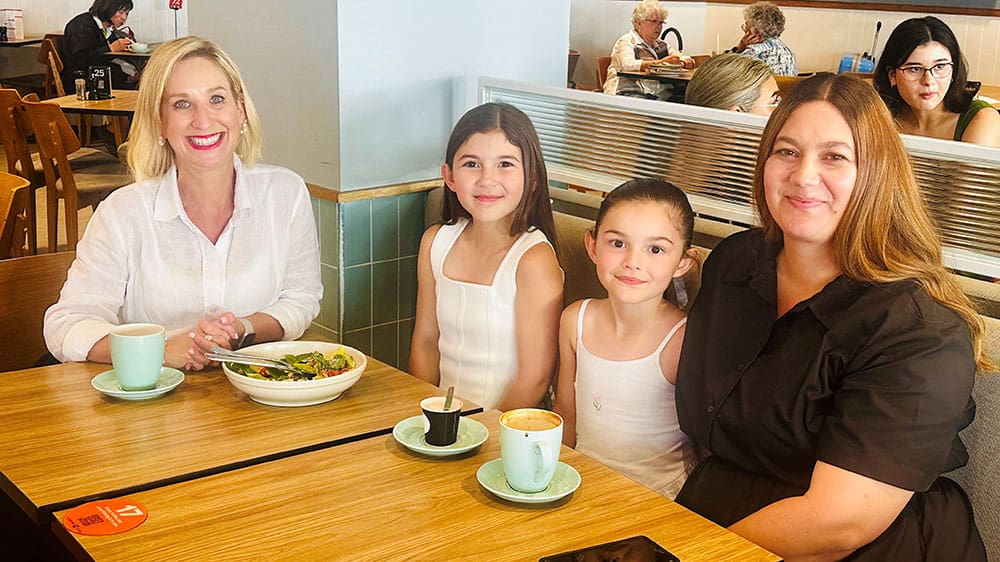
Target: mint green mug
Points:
(137, 354)
(530, 440)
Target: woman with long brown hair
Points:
(829, 356)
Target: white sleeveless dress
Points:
(626, 417)
(477, 340)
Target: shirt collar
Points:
(758, 268)
(168, 204)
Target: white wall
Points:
(819, 37)
(399, 64)
(288, 59)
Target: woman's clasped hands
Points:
(187, 349)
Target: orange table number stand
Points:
(105, 517)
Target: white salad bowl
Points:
(297, 393)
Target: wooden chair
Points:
(700, 59)
(20, 161)
(31, 284)
(14, 192)
(786, 83)
(88, 182)
(602, 71)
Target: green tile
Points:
(385, 229)
(357, 232)
(329, 234)
(411, 222)
(385, 297)
(329, 308)
(359, 339)
(405, 336)
(325, 332)
(385, 346)
(357, 297)
(407, 288)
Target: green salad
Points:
(306, 366)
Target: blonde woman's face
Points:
(200, 116)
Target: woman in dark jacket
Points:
(90, 35)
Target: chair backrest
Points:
(602, 71)
(53, 133)
(14, 136)
(31, 284)
(14, 193)
(48, 55)
(786, 83)
(980, 478)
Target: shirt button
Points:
(741, 366)
(212, 308)
(711, 409)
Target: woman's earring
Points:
(243, 127)
(161, 141)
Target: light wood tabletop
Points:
(374, 500)
(63, 442)
(992, 92)
(123, 103)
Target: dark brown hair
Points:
(534, 210)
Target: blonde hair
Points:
(146, 157)
(885, 234)
(726, 81)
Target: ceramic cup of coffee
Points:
(530, 440)
(440, 425)
(137, 354)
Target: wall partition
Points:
(597, 141)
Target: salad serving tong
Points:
(225, 355)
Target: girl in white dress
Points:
(490, 286)
(618, 356)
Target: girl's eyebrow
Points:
(501, 157)
(623, 235)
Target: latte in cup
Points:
(530, 440)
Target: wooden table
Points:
(374, 500)
(120, 109)
(21, 42)
(64, 443)
(992, 92)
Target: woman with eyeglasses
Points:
(922, 78)
(736, 83)
(88, 37)
(639, 49)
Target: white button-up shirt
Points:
(141, 259)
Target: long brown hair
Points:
(534, 210)
(885, 234)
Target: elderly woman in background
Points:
(736, 83)
(639, 49)
(763, 24)
(922, 75)
(214, 248)
(829, 358)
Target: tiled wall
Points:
(368, 251)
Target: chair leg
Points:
(52, 208)
(72, 210)
(31, 221)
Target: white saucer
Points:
(107, 382)
(564, 482)
(410, 434)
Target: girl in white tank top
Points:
(489, 285)
(618, 356)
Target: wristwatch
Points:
(248, 334)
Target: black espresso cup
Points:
(440, 425)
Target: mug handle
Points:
(548, 460)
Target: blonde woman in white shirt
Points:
(639, 49)
(216, 249)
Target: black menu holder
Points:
(99, 83)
